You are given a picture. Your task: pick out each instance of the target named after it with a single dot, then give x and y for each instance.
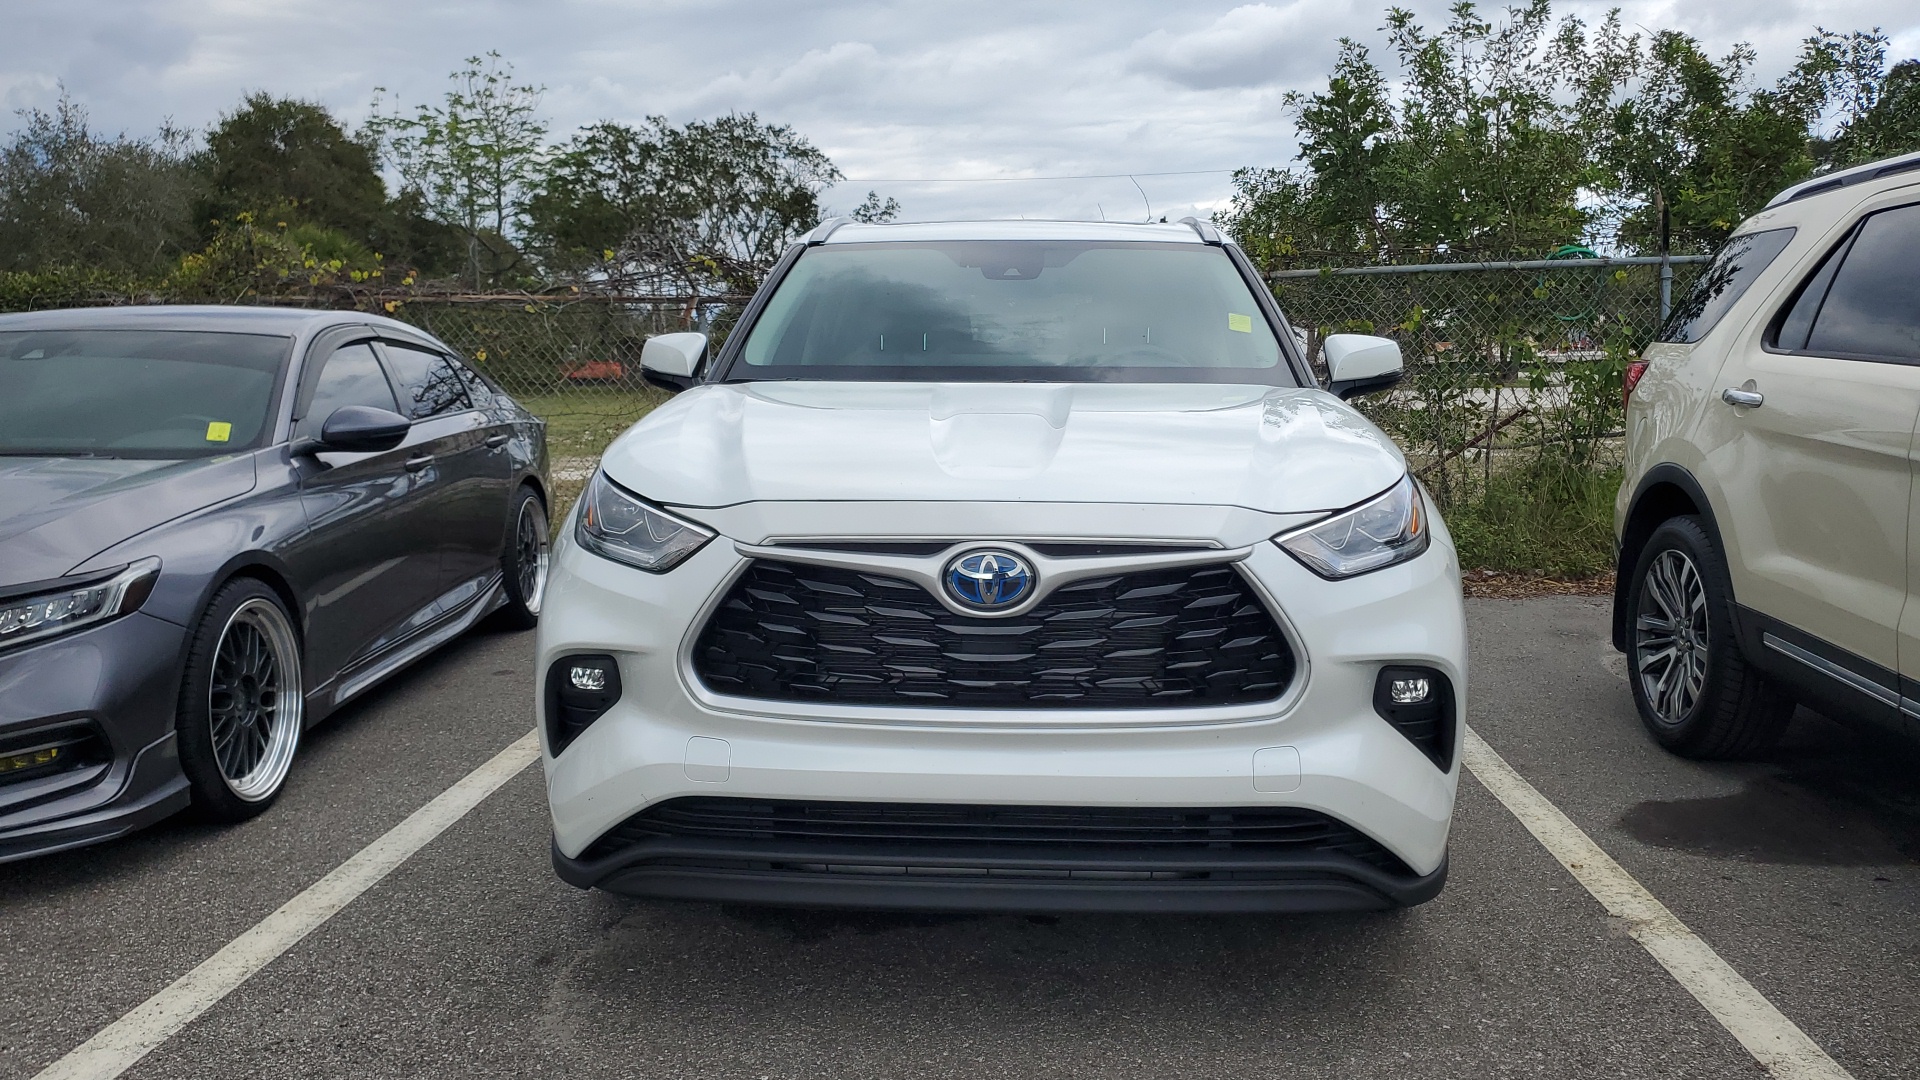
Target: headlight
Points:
(50, 613)
(1386, 529)
(624, 528)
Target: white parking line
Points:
(116, 1047)
(1774, 1041)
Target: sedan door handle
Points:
(497, 440)
(415, 464)
(1734, 395)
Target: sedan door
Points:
(366, 569)
(470, 464)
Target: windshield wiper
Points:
(52, 453)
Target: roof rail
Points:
(1859, 174)
(1207, 232)
(825, 229)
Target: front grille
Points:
(1158, 638)
(1031, 832)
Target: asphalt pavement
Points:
(471, 959)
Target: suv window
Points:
(1722, 284)
(1872, 309)
(427, 380)
(1012, 310)
(350, 376)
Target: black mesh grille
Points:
(1040, 831)
(1162, 638)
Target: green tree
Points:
(471, 160)
(702, 208)
(874, 210)
(71, 197)
(284, 158)
(1883, 120)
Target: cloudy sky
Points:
(932, 103)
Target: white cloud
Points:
(891, 89)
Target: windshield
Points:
(136, 393)
(1021, 310)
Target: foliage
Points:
(248, 259)
(472, 160)
(290, 158)
(71, 197)
(702, 208)
(1511, 137)
(876, 211)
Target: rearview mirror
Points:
(1361, 364)
(669, 361)
(359, 429)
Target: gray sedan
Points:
(218, 525)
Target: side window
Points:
(1872, 310)
(351, 375)
(479, 391)
(1722, 284)
(427, 380)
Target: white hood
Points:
(1260, 447)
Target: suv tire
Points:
(1695, 691)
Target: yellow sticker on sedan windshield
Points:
(1242, 323)
(219, 432)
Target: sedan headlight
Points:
(617, 525)
(1389, 528)
(49, 613)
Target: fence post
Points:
(1666, 263)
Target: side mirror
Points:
(1361, 364)
(669, 361)
(358, 429)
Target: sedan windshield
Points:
(136, 393)
(1022, 310)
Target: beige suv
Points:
(1768, 546)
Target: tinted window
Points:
(137, 393)
(1722, 284)
(479, 391)
(427, 382)
(1004, 310)
(351, 376)
(1873, 308)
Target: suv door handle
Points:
(1734, 395)
(499, 439)
(415, 464)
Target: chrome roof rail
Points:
(1208, 233)
(825, 229)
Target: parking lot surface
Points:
(470, 959)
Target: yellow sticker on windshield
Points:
(1242, 323)
(219, 432)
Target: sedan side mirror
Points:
(669, 361)
(1361, 364)
(358, 429)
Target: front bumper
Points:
(120, 682)
(1320, 747)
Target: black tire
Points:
(523, 563)
(241, 706)
(1695, 691)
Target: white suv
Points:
(1766, 524)
(1013, 566)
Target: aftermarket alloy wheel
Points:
(523, 565)
(1695, 691)
(241, 702)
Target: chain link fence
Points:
(1508, 364)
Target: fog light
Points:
(1409, 691)
(579, 690)
(1418, 702)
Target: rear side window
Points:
(427, 381)
(351, 376)
(1872, 307)
(1725, 280)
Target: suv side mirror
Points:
(669, 361)
(358, 429)
(1361, 364)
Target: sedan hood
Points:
(1264, 448)
(56, 512)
